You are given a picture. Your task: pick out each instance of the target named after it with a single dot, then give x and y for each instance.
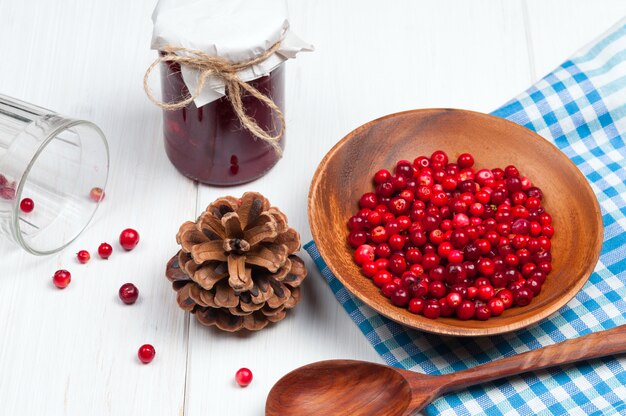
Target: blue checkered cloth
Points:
(581, 108)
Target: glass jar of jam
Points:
(207, 47)
(208, 143)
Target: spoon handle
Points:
(594, 345)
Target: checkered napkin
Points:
(581, 108)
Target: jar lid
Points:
(235, 30)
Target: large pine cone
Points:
(236, 268)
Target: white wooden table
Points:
(73, 352)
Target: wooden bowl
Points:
(347, 170)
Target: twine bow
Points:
(207, 66)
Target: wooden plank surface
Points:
(73, 352)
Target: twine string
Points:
(207, 66)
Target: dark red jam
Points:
(209, 144)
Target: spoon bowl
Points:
(341, 387)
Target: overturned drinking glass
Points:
(53, 172)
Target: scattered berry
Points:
(83, 256)
(243, 377)
(129, 239)
(96, 194)
(129, 293)
(27, 205)
(146, 353)
(62, 278)
(105, 250)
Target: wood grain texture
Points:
(346, 172)
(76, 349)
(549, 46)
(74, 352)
(351, 388)
(446, 59)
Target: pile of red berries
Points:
(444, 239)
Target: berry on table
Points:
(243, 377)
(146, 353)
(62, 278)
(129, 239)
(105, 250)
(128, 293)
(83, 256)
(96, 194)
(27, 205)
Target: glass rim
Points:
(66, 124)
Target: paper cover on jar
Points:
(235, 30)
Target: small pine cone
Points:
(236, 267)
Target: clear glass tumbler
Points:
(56, 162)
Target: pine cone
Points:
(236, 268)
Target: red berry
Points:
(383, 251)
(400, 297)
(432, 309)
(483, 313)
(369, 268)
(413, 256)
(105, 250)
(397, 264)
(389, 289)
(382, 278)
(486, 267)
(356, 223)
(404, 222)
(472, 292)
(27, 205)
(455, 256)
(396, 242)
(430, 260)
(416, 305)
(547, 231)
(506, 297)
(496, 305)
(243, 377)
(83, 256)
(381, 176)
(364, 254)
(454, 299)
(437, 290)
(368, 200)
(381, 264)
(375, 218)
(465, 160)
(485, 292)
(128, 293)
(357, 238)
(62, 278)
(523, 296)
(466, 310)
(545, 219)
(379, 234)
(146, 353)
(404, 168)
(96, 194)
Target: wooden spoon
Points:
(348, 387)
